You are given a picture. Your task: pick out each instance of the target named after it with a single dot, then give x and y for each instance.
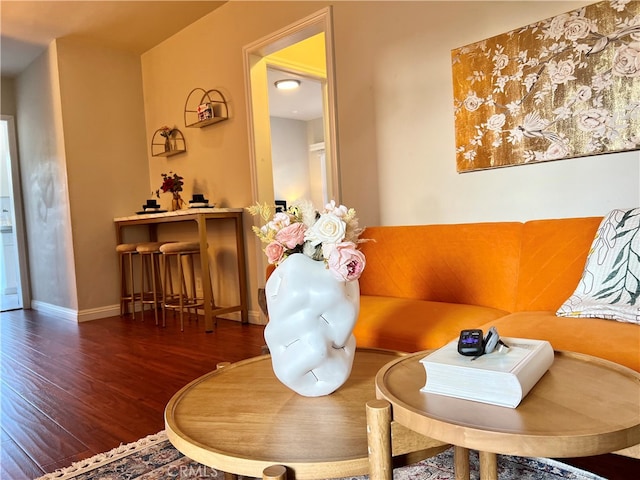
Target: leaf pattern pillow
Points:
(610, 285)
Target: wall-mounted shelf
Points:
(163, 146)
(205, 107)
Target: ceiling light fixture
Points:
(287, 84)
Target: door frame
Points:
(19, 229)
(259, 129)
(255, 71)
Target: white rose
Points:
(626, 61)
(496, 122)
(561, 72)
(472, 102)
(556, 151)
(576, 28)
(329, 228)
(593, 120)
(557, 26)
(500, 61)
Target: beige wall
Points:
(290, 152)
(83, 157)
(208, 54)
(106, 151)
(44, 183)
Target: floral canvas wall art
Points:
(564, 87)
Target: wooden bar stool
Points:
(185, 298)
(128, 296)
(151, 291)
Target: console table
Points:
(201, 216)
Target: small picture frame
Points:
(205, 112)
(281, 205)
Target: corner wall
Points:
(8, 96)
(103, 116)
(44, 183)
(83, 162)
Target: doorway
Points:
(14, 293)
(259, 57)
(261, 60)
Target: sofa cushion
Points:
(610, 284)
(473, 264)
(617, 342)
(413, 325)
(553, 258)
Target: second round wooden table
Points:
(582, 406)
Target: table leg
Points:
(206, 274)
(488, 466)
(274, 472)
(242, 269)
(461, 463)
(379, 440)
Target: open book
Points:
(499, 378)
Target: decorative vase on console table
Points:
(172, 182)
(313, 295)
(176, 202)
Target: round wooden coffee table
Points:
(582, 406)
(240, 419)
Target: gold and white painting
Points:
(564, 87)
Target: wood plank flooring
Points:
(70, 391)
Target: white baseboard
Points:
(100, 312)
(114, 310)
(55, 310)
(75, 315)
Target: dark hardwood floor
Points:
(70, 391)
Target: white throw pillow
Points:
(610, 285)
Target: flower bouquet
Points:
(331, 236)
(167, 133)
(172, 182)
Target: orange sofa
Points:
(423, 284)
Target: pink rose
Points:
(292, 235)
(274, 252)
(345, 261)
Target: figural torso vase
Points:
(311, 319)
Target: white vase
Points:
(311, 320)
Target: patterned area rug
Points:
(154, 458)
